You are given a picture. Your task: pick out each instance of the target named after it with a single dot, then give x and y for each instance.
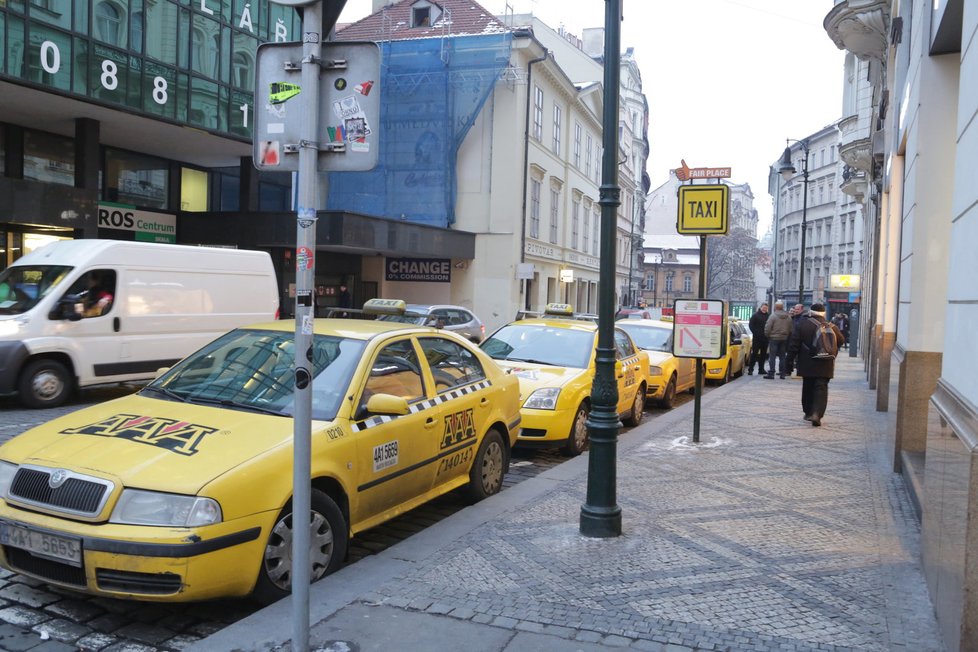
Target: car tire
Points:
(726, 374)
(327, 549)
(668, 399)
(44, 383)
(577, 438)
(488, 469)
(638, 408)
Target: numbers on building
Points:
(159, 90)
(50, 57)
(110, 75)
(244, 114)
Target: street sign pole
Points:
(304, 319)
(698, 396)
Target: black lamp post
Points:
(787, 170)
(601, 515)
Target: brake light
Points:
(278, 314)
(482, 327)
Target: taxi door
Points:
(393, 450)
(632, 373)
(462, 394)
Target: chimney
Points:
(380, 4)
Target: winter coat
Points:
(757, 322)
(778, 326)
(799, 355)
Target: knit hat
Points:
(818, 307)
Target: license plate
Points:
(43, 544)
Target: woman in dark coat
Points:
(815, 372)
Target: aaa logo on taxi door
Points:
(458, 427)
(177, 436)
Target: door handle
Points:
(430, 423)
(484, 402)
(116, 325)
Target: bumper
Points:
(545, 428)
(138, 562)
(657, 387)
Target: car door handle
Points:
(484, 402)
(116, 324)
(430, 423)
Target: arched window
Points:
(242, 71)
(108, 22)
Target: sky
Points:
(727, 81)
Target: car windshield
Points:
(560, 347)
(650, 338)
(253, 370)
(23, 286)
(403, 319)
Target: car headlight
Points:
(715, 370)
(655, 371)
(7, 473)
(543, 399)
(137, 507)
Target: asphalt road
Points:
(36, 616)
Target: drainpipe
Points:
(526, 155)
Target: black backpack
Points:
(824, 344)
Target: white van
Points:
(75, 313)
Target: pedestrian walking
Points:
(778, 330)
(758, 349)
(816, 364)
(842, 323)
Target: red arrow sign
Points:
(685, 173)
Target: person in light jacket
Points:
(815, 372)
(778, 330)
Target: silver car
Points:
(454, 318)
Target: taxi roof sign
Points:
(385, 306)
(703, 209)
(559, 309)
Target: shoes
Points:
(781, 376)
(808, 417)
(750, 372)
(816, 422)
(770, 376)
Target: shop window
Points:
(193, 190)
(275, 191)
(136, 179)
(49, 158)
(225, 187)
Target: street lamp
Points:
(787, 170)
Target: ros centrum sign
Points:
(698, 329)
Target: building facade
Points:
(917, 149)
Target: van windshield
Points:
(23, 286)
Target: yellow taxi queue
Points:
(668, 375)
(182, 491)
(554, 358)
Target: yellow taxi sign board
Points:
(703, 209)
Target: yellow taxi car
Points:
(731, 365)
(182, 491)
(553, 356)
(668, 374)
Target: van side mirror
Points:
(66, 309)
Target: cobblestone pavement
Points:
(769, 535)
(35, 616)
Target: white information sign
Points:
(698, 329)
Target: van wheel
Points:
(327, 549)
(44, 383)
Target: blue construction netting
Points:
(432, 90)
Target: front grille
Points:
(533, 432)
(132, 582)
(54, 571)
(78, 494)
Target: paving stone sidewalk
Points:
(770, 534)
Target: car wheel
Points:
(669, 398)
(44, 383)
(577, 439)
(486, 474)
(328, 542)
(726, 374)
(638, 408)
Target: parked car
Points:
(453, 318)
(733, 363)
(667, 373)
(553, 357)
(183, 491)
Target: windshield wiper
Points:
(226, 402)
(165, 392)
(530, 360)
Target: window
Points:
(421, 17)
(624, 347)
(556, 141)
(650, 282)
(577, 144)
(92, 294)
(554, 211)
(597, 164)
(193, 190)
(136, 179)
(538, 113)
(49, 158)
(396, 370)
(108, 23)
(535, 208)
(575, 219)
(586, 230)
(669, 279)
(587, 157)
(687, 283)
(452, 365)
(594, 232)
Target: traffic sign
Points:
(703, 209)
(685, 173)
(698, 329)
(349, 98)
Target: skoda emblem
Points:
(57, 478)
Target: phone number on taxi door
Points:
(449, 463)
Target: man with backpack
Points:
(813, 344)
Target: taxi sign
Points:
(698, 329)
(559, 309)
(703, 209)
(385, 307)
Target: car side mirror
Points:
(387, 404)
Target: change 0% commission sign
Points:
(698, 328)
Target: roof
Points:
(393, 23)
(670, 241)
